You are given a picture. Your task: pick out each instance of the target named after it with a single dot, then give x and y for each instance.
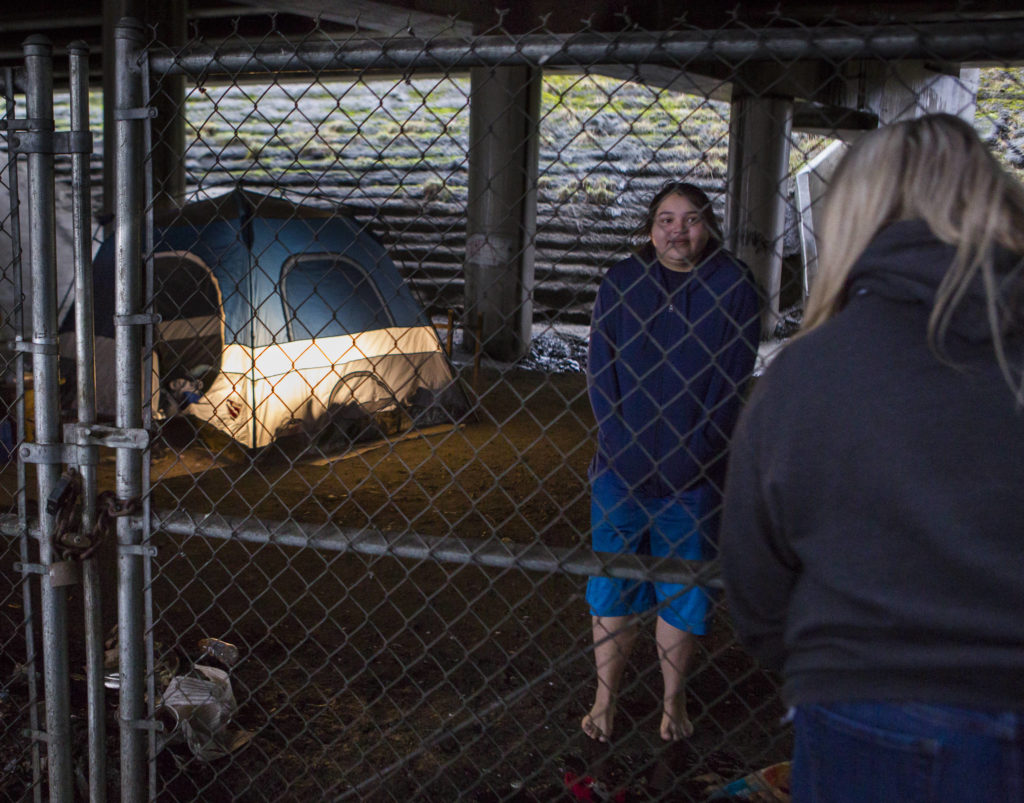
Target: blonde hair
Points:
(935, 169)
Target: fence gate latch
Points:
(139, 113)
(56, 142)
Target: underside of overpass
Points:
(768, 102)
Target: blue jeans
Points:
(907, 753)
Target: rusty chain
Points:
(64, 505)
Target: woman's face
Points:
(679, 235)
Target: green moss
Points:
(595, 190)
(1001, 100)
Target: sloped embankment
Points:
(396, 154)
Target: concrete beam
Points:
(374, 16)
(830, 121)
(904, 90)
(713, 87)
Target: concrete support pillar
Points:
(502, 212)
(892, 91)
(169, 17)
(168, 156)
(759, 137)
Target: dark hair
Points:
(691, 192)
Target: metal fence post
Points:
(128, 357)
(78, 57)
(18, 318)
(39, 104)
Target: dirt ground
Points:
(380, 679)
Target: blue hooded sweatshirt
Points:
(669, 358)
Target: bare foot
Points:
(598, 724)
(675, 723)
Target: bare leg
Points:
(614, 637)
(675, 647)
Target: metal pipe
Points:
(128, 364)
(78, 53)
(491, 552)
(980, 41)
(42, 248)
(18, 315)
(85, 360)
(150, 383)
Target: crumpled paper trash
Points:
(196, 709)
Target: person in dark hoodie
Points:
(873, 532)
(673, 340)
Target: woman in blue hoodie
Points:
(672, 344)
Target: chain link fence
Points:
(345, 554)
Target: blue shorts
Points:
(661, 526)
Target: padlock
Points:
(63, 573)
(75, 541)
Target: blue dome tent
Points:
(277, 318)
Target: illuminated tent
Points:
(279, 319)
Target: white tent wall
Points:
(295, 387)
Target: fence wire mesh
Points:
(371, 430)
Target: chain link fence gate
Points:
(372, 580)
(65, 524)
